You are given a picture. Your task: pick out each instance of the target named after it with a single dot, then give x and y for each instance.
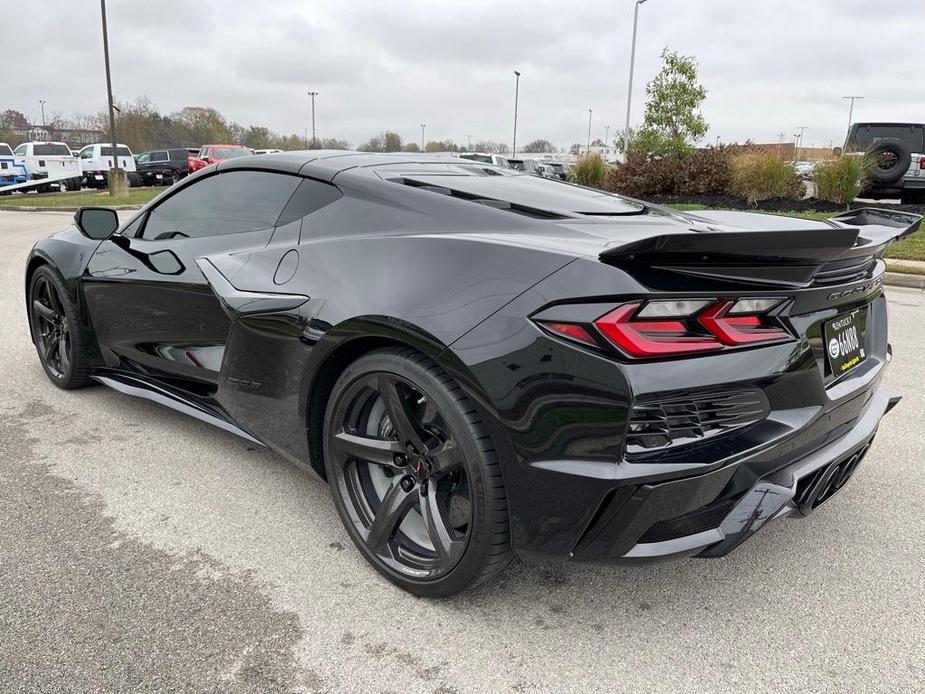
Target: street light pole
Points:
(469, 148)
(851, 99)
(42, 104)
(314, 140)
(117, 185)
(799, 137)
(516, 98)
(588, 151)
(629, 90)
(423, 125)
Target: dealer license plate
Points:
(844, 341)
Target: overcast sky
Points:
(769, 66)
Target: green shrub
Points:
(590, 170)
(762, 175)
(842, 179)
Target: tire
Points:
(63, 186)
(54, 322)
(437, 470)
(75, 184)
(133, 180)
(894, 160)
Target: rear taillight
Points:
(667, 328)
(641, 337)
(922, 163)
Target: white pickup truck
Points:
(51, 160)
(96, 161)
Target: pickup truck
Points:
(51, 160)
(210, 154)
(899, 149)
(10, 172)
(96, 161)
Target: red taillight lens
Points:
(675, 328)
(572, 331)
(737, 330)
(652, 338)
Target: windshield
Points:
(51, 150)
(865, 136)
(230, 152)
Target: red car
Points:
(209, 154)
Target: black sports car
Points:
(482, 364)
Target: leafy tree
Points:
(411, 147)
(597, 143)
(672, 122)
(11, 118)
(538, 147)
(391, 141)
(441, 146)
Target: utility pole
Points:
(423, 125)
(516, 98)
(851, 99)
(589, 132)
(606, 136)
(118, 183)
(314, 140)
(42, 104)
(469, 147)
(629, 89)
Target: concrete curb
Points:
(902, 279)
(49, 208)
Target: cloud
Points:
(769, 66)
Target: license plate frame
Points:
(844, 339)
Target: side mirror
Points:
(97, 222)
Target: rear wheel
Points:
(414, 477)
(58, 336)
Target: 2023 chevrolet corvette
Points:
(482, 363)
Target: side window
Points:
(21, 150)
(143, 158)
(86, 153)
(160, 155)
(226, 203)
(204, 152)
(309, 197)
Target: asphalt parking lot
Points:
(144, 551)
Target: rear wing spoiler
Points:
(776, 256)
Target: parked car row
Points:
(527, 165)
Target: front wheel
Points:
(413, 475)
(57, 333)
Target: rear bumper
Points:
(709, 514)
(796, 489)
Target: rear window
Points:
(51, 150)
(107, 151)
(865, 136)
(230, 152)
(5, 151)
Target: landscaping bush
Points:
(702, 172)
(761, 175)
(589, 171)
(842, 179)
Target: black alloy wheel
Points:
(414, 479)
(56, 332)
